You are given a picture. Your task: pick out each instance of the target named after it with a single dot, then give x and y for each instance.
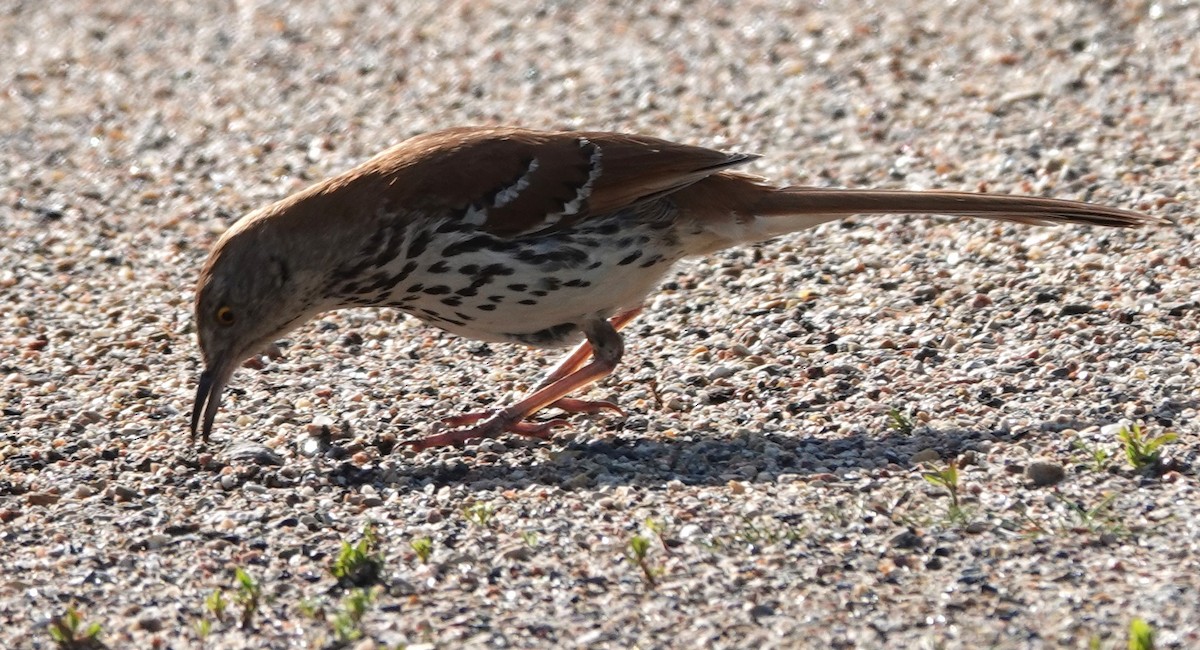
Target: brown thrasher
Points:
(505, 234)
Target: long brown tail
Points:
(800, 201)
(763, 212)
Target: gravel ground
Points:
(783, 400)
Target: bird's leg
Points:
(575, 360)
(606, 348)
(567, 365)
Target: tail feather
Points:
(762, 212)
(835, 203)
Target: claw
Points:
(466, 419)
(542, 430)
(571, 405)
(525, 428)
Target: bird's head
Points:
(247, 296)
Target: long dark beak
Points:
(208, 401)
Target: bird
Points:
(539, 238)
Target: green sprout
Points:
(248, 596)
(423, 547)
(479, 513)
(900, 421)
(1141, 635)
(530, 538)
(347, 622)
(639, 549)
(70, 632)
(947, 479)
(1141, 450)
(215, 603)
(1100, 456)
(203, 628)
(359, 564)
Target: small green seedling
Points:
(359, 564)
(347, 623)
(945, 478)
(248, 596)
(423, 547)
(530, 538)
(1141, 450)
(214, 608)
(70, 632)
(310, 608)
(1141, 635)
(479, 513)
(639, 549)
(215, 603)
(1100, 456)
(203, 628)
(900, 421)
(1098, 518)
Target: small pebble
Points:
(249, 452)
(312, 446)
(1074, 309)
(1044, 472)
(721, 372)
(514, 553)
(150, 623)
(976, 527)
(981, 300)
(157, 541)
(41, 498)
(925, 456)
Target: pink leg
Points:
(574, 360)
(567, 365)
(605, 347)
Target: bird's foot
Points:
(490, 424)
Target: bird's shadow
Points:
(693, 459)
(636, 458)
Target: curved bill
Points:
(208, 401)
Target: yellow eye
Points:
(225, 316)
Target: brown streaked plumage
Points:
(540, 238)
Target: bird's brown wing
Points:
(514, 181)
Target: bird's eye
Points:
(225, 316)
